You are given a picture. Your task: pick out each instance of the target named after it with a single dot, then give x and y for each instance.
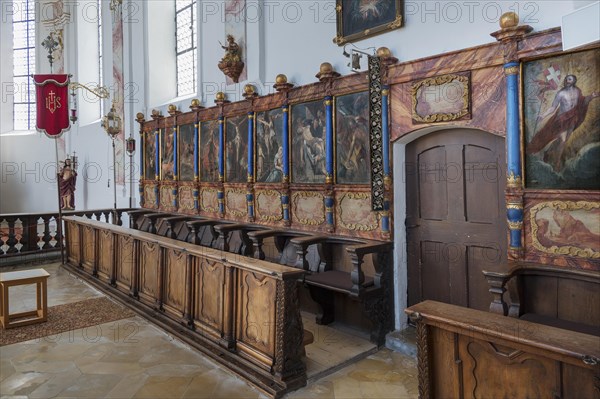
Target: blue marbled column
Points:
(514, 211)
(157, 195)
(157, 154)
(221, 148)
(329, 139)
(285, 143)
(196, 194)
(175, 151)
(196, 146)
(513, 159)
(250, 147)
(285, 205)
(329, 211)
(250, 201)
(175, 197)
(221, 201)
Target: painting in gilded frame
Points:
(308, 142)
(186, 152)
(149, 156)
(166, 152)
(567, 228)
(359, 19)
(209, 151)
(236, 155)
(562, 121)
(352, 138)
(269, 146)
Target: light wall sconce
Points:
(355, 55)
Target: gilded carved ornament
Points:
(356, 226)
(438, 81)
(268, 218)
(315, 221)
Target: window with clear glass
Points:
(24, 64)
(185, 34)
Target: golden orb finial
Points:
(195, 102)
(249, 89)
(509, 20)
(326, 67)
(281, 79)
(383, 52)
(220, 96)
(139, 115)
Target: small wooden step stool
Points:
(39, 277)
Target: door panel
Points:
(456, 224)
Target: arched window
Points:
(23, 64)
(185, 33)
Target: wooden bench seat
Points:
(550, 295)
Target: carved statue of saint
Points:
(232, 52)
(67, 179)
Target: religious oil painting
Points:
(562, 121)
(186, 152)
(358, 19)
(166, 152)
(308, 142)
(149, 156)
(236, 156)
(269, 146)
(209, 151)
(567, 228)
(352, 138)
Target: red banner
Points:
(52, 98)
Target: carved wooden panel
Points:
(105, 254)
(208, 299)
(483, 359)
(308, 208)
(175, 282)
(149, 272)
(150, 196)
(354, 215)
(208, 200)
(125, 262)
(256, 316)
(167, 198)
(73, 255)
(89, 249)
(235, 203)
(268, 206)
(186, 199)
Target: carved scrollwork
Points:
(207, 196)
(569, 250)
(318, 215)
(236, 211)
(439, 81)
(358, 222)
(289, 331)
(271, 216)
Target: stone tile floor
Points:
(132, 358)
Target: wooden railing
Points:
(37, 233)
(467, 353)
(241, 311)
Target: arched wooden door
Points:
(456, 216)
